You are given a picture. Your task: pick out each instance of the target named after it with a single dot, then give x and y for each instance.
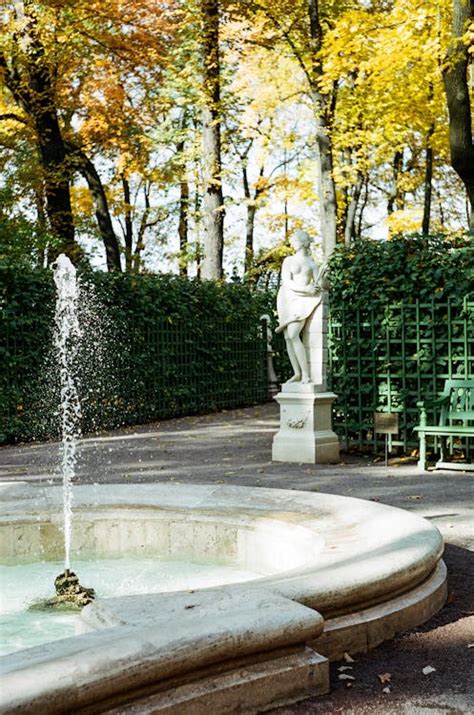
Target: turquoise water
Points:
(22, 584)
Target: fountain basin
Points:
(337, 575)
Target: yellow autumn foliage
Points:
(404, 221)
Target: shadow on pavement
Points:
(460, 603)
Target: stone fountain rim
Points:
(399, 559)
(142, 641)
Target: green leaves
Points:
(169, 346)
(373, 273)
(398, 327)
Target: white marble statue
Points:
(302, 282)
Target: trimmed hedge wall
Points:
(160, 346)
(401, 323)
(154, 347)
(373, 274)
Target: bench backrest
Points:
(460, 405)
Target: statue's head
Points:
(62, 262)
(301, 239)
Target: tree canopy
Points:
(196, 135)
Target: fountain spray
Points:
(66, 341)
(69, 593)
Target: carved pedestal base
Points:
(305, 433)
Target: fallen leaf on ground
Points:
(386, 690)
(428, 669)
(415, 496)
(345, 667)
(348, 658)
(451, 597)
(345, 676)
(385, 677)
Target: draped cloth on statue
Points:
(293, 307)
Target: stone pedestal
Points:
(305, 433)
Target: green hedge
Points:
(374, 274)
(401, 323)
(26, 300)
(161, 346)
(154, 347)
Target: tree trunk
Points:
(323, 115)
(396, 200)
(84, 165)
(32, 89)
(459, 107)
(144, 224)
(252, 205)
(183, 225)
(213, 200)
(249, 231)
(328, 200)
(349, 227)
(363, 206)
(197, 203)
(250, 221)
(425, 224)
(128, 234)
(56, 179)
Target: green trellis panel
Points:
(162, 370)
(389, 360)
(175, 373)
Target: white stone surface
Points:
(364, 629)
(279, 680)
(305, 433)
(314, 337)
(335, 545)
(148, 639)
(302, 305)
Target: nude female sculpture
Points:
(298, 298)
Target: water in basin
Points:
(24, 583)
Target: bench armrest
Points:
(432, 401)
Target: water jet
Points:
(69, 592)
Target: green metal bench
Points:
(456, 420)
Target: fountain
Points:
(70, 594)
(321, 575)
(331, 575)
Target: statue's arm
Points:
(286, 278)
(324, 277)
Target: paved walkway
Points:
(234, 447)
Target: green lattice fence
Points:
(154, 347)
(386, 361)
(178, 371)
(162, 370)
